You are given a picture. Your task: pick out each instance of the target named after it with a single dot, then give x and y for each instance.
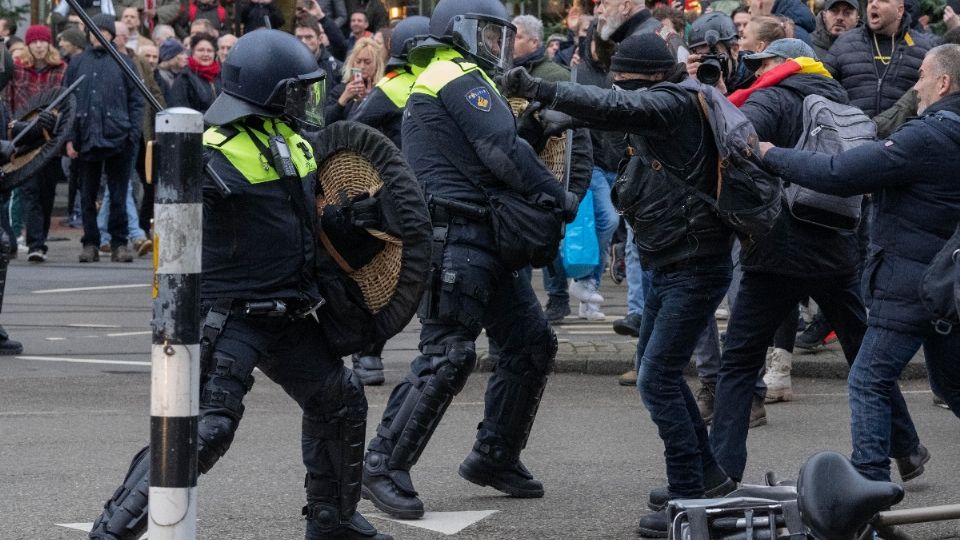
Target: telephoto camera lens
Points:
(709, 71)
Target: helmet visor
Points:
(304, 102)
(488, 39)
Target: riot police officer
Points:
(259, 193)
(383, 110)
(460, 138)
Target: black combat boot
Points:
(8, 346)
(500, 469)
(390, 490)
(324, 523)
(654, 525)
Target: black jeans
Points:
(761, 305)
(117, 170)
(38, 194)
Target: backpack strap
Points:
(705, 109)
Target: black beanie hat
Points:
(642, 53)
(106, 23)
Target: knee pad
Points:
(341, 395)
(538, 358)
(215, 435)
(454, 368)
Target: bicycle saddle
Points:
(836, 501)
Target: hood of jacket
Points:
(807, 84)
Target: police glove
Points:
(555, 122)
(46, 121)
(366, 212)
(6, 152)
(571, 204)
(530, 129)
(518, 83)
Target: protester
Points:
(173, 59)
(363, 68)
(308, 31)
(795, 10)
(837, 17)
(197, 86)
(358, 29)
(224, 44)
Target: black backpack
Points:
(940, 287)
(748, 198)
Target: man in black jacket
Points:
(916, 188)
(107, 132)
(793, 261)
(681, 239)
(836, 17)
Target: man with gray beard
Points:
(620, 19)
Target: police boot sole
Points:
(489, 480)
(651, 533)
(399, 513)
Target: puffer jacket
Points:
(192, 90)
(916, 187)
(669, 135)
(792, 247)
(800, 14)
(850, 61)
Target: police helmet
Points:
(714, 23)
(256, 83)
(478, 29)
(404, 38)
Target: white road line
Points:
(99, 288)
(447, 523)
(82, 360)
(92, 325)
(139, 333)
(591, 332)
(55, 339)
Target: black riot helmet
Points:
(716, 22)
(478, 29)
(405, 37)
(269, 73)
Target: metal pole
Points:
(175, 375)
(924, 514)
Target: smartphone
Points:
(356, 74)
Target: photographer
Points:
(714, 53)
(683, 242)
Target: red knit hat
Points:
(38, 32)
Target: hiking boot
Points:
(629, 325)
(815, 335)
(121, 254)
(389, 490)
(36, 256)
(629, 378)
(143, 246)
(618, 263)
(654, 525)
(557, 308)
(369, 369)
(911, 466)
(501, 471)
(89, 254)
(585, 290)
(777, 377)
(706, 395)
(590, 312)
(758, 413)
(717, 485)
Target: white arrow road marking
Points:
(82, 360)
(100, 288)
(85, 527)
(442, 522)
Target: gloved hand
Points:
(530, 129)
(518, 83)
(366, 212)
(6, 152)
(555, 122)
(46, 120)
(570, 206)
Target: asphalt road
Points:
(74, 409)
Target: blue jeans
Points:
(604, 214)
(679, 305)
(555, 279)
(134, 232)
(638, 280)
(874, 394)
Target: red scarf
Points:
(207, 72)
(778, 74)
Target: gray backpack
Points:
(829, 127)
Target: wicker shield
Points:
(375, 301)
(27, 161)
(553, 154)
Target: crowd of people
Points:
(630, 82)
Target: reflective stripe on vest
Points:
(443, 69)
(244, 155)
(396, 85)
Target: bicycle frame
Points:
(908, 516)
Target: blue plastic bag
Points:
(580, 248)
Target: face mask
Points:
(634, 84)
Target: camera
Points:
(714, 64)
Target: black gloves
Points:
(570, 206)
(46, 120)
(555, 122)
(518, 83)
(530, 129)
(367, 213)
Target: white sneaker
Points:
(590, 312)
(777, 377)
(721, 314)
(37, 256)
(585, 291)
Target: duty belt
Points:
(442, 211)
(294, 308)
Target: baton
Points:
(568, 156)
(53, 105)
(88, 22)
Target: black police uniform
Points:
(258, 285)
(459, 136)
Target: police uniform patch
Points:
(479, 97)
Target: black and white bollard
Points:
(175, 375)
